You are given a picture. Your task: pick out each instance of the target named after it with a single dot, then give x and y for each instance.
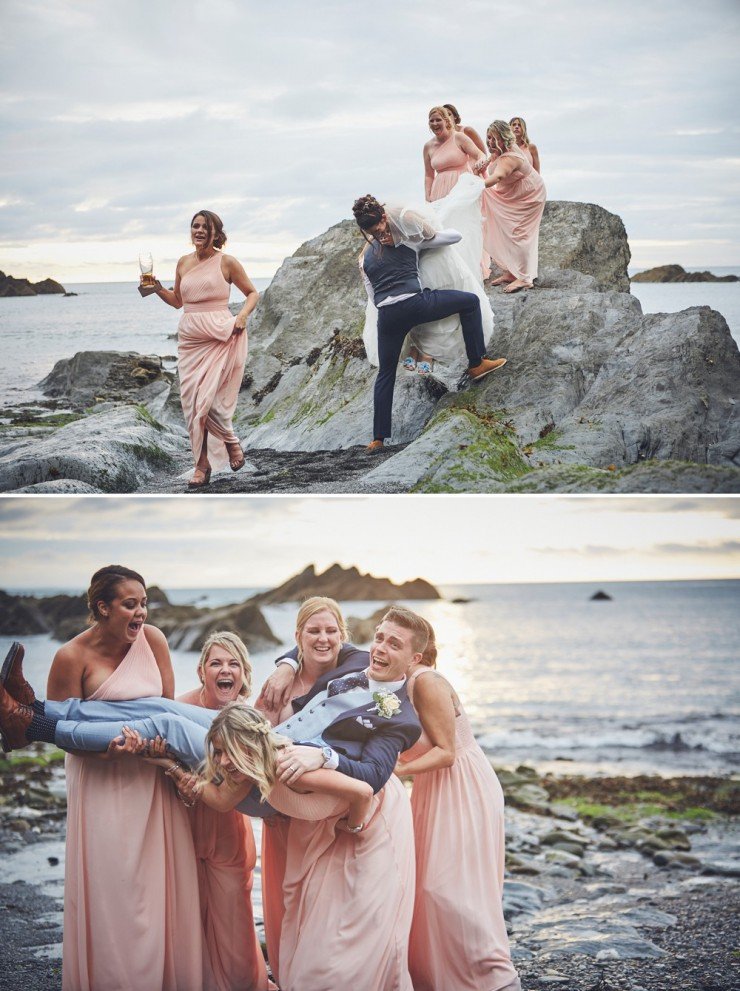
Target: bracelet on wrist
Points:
(355, 829)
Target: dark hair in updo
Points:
(215, 226)
(453, 111)
(368, 212)
(104, 583)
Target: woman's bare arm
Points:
(475, 138)
(435, 708)
(428, 174)
(172, 296)
(503, 168)
(160, 648)
(535, 158)
(235, 274)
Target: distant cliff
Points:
(347, 584)
(10, 286)
(674, 273)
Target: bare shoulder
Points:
(154, 637)
(431, 684)
(190, 698)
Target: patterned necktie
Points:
(347, 684)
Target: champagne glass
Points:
(146, 266)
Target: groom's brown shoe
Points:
(486, 366)
(11, 676)
(14, 721)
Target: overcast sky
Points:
(121, 118)
(222, 542)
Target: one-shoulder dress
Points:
(458, 935)
(210, 359)
(131, 917)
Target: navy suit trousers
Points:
(394, 323)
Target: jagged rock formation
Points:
(104, 376)
(10, 286)
(596, 396)
(362, 631)
(675, 273)
(64, 616)
(346, 584)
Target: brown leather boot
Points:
(11, 676)
(14, 721)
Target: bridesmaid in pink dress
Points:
(212, 345)
(224, 842)
(320, 631)
(447, 155)
(465, 128)
(529, 150)
(131, 916)
(458, 935)
(338, 906)
(514, 202)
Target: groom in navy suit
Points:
(357, 718)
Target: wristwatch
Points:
(327, 753)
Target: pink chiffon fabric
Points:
(226, 856)
(449, 162)
(131, 917)
(210, 359)
(349, 901)
(274, 857)
(458, 935)
(513, 210)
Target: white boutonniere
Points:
(386, 704)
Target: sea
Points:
(644, 682)
(36, 331)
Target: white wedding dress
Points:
(457, 266)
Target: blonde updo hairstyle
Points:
(445, 114)
(235, 646)
(500, 137)
(316, 604)
(523, 125)
(247, 739)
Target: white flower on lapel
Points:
(386, 704)
(367, 723)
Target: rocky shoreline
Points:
(596, 395)
(613, 884)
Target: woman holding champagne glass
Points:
(212, 345)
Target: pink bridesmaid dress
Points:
(226, 857)
(274, 857)
(513, 210)
(349, 901)
(449, 162)
(458, 936)
(210, 359)
(131, 915)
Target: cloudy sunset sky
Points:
(120, 119)
(177, 542)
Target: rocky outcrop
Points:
(114, 450)
(675, 273)
(105, 376)
(187, 627)
(362, 631)
(588, 239)
(10, 286)
(346, 584)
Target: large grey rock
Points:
(587, 238)
(94, 376)
(112, 451)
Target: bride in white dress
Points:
(456, 266)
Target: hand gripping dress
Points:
(210, 359)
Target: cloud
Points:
(725, 547)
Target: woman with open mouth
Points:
(128, 838)
(224, 842)
(211, 345)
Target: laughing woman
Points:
(212, 345)
(224, 843)
(129, 847)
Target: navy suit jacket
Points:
(368, 744)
